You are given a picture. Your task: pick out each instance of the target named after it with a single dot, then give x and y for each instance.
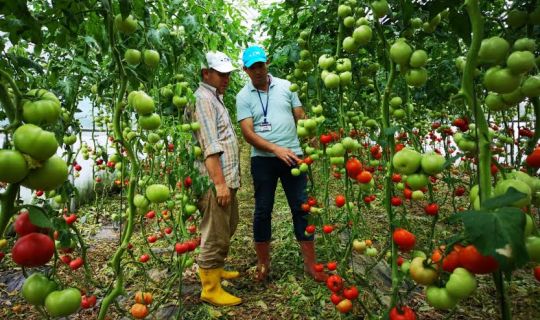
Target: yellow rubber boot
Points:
(228, 275)
(212, 292)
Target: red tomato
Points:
(88, 301)
(312, 201)
(325, 139)
(33, 250)
(431, 209)
(533, 159)
(151, 238)
(187, 182)
(328, 229)
(404, 239)
(399, 261)
(168, 230)
(459, 191)
(181, 248)
(335, 298)
(350, 293)
(76, 264)
(399, 146)
(396, 177)
(364, 177)
(407, 193)
(144, 258)
(396, 201)
(310, 228)
(402, 313)
(318, 267)
(451, 261)
(353, 167)
(537, 272)
(65, 259)
(334, 283)
(308, 161)
(340, 201)
(475, 262)
(70, 219)
(306, 207)
(151, 214)
(23, 225)
(332, 265)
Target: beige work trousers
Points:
(217, 227)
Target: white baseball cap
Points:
(219, 62)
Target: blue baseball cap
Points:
(252, 55)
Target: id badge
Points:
(265, 127)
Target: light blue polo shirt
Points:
(281, 102)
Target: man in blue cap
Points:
(267, 112)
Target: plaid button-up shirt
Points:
(216, 135)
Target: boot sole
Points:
(221, 305)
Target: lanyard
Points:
(264, 108)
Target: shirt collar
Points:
(212, 89)
(272, 83)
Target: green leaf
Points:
(125, 8)
(38, 217)
(451, 160)
(498, 233)
(511, 196)
(460, 23)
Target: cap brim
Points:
(225, 68)
(252, 62)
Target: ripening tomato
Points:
(143, 297)
(471, 259)
(344, 306)
(340, 201)
(139, 311)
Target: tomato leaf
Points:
(498, 233)
(511, 196)
(38, 217)
(460, 23)
(451, 160)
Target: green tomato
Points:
(417, 181)
(127, 26)
(380, 8)
(157, 193)
(407, 161)
(371, 252)
(531, 86)
(400, 52)
(503, 186)
(133, 56)
(36, 288)
(52, 173)
(432, 163)
(532, 245)
(440, 298)
(461, 283)
(493, 50)
(416, 77)
(34, 141)
(143, 103)
(418, 59)
(63, 303)
(18, 168)
(151, 58)
(362, 35)
(46, 110)
(520, 62)
(150, 122)
(501, 80)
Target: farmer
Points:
(219, 205)
(267, 112)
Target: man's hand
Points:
(223, 194)
(286, 155)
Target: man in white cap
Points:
(219, 205)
